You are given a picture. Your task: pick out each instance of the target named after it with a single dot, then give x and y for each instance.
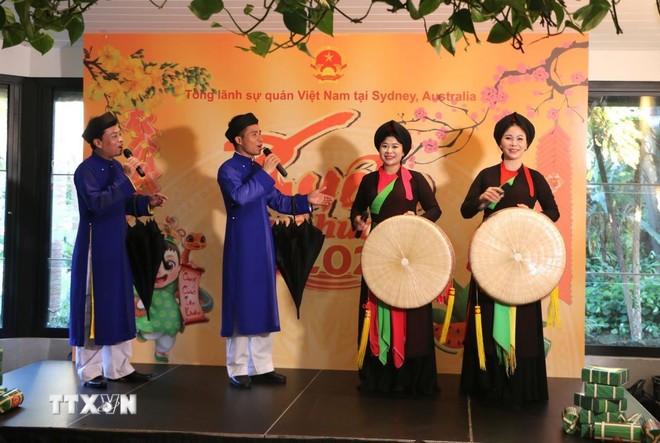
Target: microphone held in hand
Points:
(280, 168)
(129, 154)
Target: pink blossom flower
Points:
(420, 113)
(553, 113)
(430, 145)
(577, 77)
(410, 162)
(540, 74)
(438, 115)
(441, 134)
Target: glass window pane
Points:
(623, 222)
(67, 154)
(4, 118)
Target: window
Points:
(67, 154)
(4, 118)
(41, 122)
(623, 220)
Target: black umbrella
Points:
(296, 250)
(146, 247)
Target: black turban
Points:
(396, 130)
(238, 123)
(97, 125)
(508, 121)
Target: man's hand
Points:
(157, 200)
(270, 163)
(317, 197)
(130, 165)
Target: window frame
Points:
(28, 205)
(631, 89)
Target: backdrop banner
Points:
(175, 93)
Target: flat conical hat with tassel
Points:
(407, 261)
(517, 256)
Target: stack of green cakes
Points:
(600, 411)
(9, 398)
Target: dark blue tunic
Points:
(105, 196)
(249, 299)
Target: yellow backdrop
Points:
(176, 93)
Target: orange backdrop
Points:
(176, 93)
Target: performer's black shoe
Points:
(133, 377)
(97, 382)
(271, 377)
(240, 381)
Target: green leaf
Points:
(303, 47)
(12, 35)
(395, 4)
(3, 16)
(326, 22)
(517, 5)
(559, 12)
(261, 41)
(492, 7)
(536, 5)
(413, 11)
(570, 24)
(295, 21)
(501, 32)
(204, 9)
(216, 25)
(597, 12)
(463, 20)
(75, 27)
(248, 9)
(521, 21)
(427, 7)
(448, 44)
(434, 36)
(42, 42)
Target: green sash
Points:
(384, 320)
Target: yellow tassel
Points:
(554, 316)
(92, 325)
(480, 337)
(364, 338)
(447, 322)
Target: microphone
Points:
(129, 154)
(365, 216)
(280, 168)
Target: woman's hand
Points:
(492, 194)
(360, 223)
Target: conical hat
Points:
(407, 261)
(517, 256)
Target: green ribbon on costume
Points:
(380, 198)
(509, 182)
(384, 319)
(504, 330)
(384, 331)
(502, 318)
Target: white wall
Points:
(643, 65)
(24, 61)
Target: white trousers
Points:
(112, 361)
(93, 360)
(249, 354)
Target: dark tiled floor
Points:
(195, 403)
